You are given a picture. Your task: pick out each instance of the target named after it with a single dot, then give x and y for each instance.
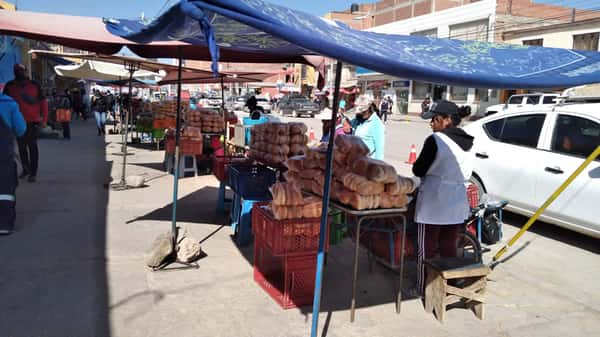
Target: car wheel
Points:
(312, 115)
(475, 180)
(294, 113)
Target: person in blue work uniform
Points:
(369, 127)
(12, 125)
(444, 165)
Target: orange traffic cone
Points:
(412, 157)
(311, 134)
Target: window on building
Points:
(549, 100)
(427, 33)
(421, 90)
(534, 42)
(459, 93)
(575, 136)
(481, 95)
(586, 41)
(474, 30)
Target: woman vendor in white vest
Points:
(444, 165)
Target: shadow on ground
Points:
(554, 232)
(53, 279)
(188, 210)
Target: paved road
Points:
(75, 266)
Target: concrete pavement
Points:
(75, 267)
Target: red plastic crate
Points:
(472, 195)
(289, 280)
(186, 146)
(220, 164)
(294, 236)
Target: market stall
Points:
(453, 62)
(294, 34)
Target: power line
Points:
(160, 11)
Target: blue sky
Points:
(133, 8)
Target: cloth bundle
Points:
(289, 202)
(273, 143)
(358, 181)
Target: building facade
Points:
(480, 20)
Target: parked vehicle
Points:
(297, 106)
(265, 104)
(215, 101)
(524, 102)
(235, 103)
(524, 156)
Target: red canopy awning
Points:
(200, 77)
(89, 33)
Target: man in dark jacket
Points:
(11, 124)
(34, 108)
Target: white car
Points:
(524, 102)
(265, 104)
(523, 157)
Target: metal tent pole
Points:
(122, 185)
(176, 165)
(224, 117)
(325, 208)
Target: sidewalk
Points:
(76, 267)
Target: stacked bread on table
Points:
(273, 143)
(212, 122)
(194, 118)
(358, 181)
(289, 202)
(168, 109)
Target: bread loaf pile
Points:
(358, 181)
(289, 203)
(187, 133)
(168, 109)
(212, 122)
(273, 143)
(193, 118)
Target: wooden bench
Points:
(468, 284)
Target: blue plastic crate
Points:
(250, 121)
(251, 182)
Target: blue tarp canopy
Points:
(256, 25)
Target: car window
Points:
(549, 100)
(515, 100)
(494, 128)
(261, 100)
(533, 100)
(523, 130)
(575, 135)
